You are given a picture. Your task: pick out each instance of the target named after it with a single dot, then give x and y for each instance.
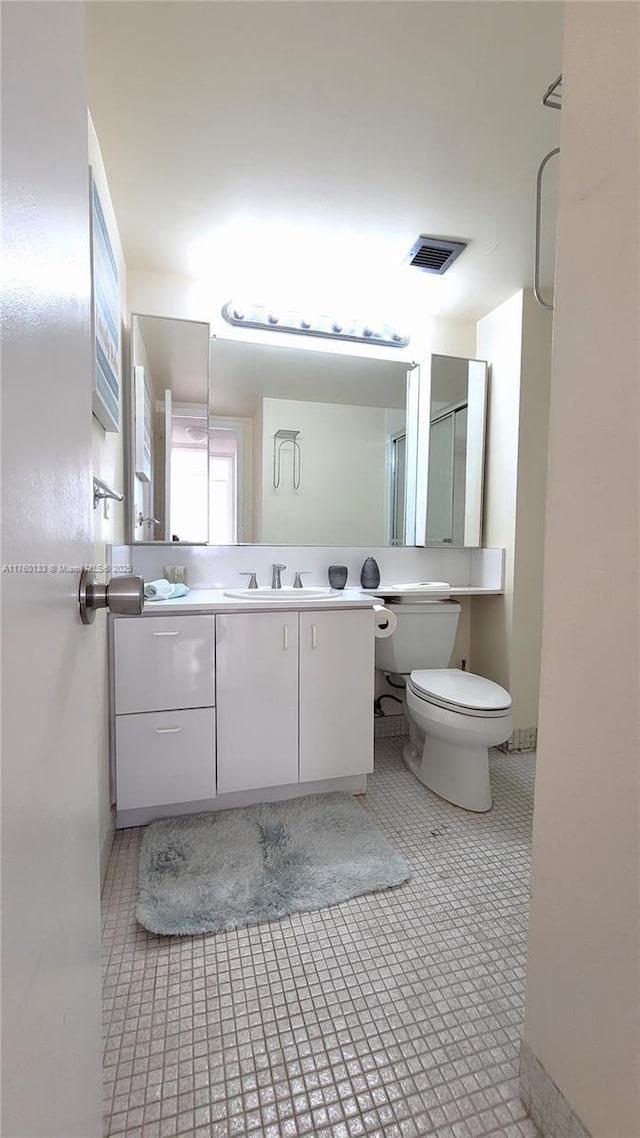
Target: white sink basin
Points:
(264, 593)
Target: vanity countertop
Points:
(474, 591)
(214, 600)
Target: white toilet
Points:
(454, 716)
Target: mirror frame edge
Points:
(419, 387)
(475, 465)
(128, 449)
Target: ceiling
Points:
(292, 152)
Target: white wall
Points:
(165, 294)
(582, 1005)
(528, 553)
(452, 337)
(499, 340)
(506, 630)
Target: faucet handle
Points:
(297, 583)
(253, 580)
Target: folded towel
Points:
(179, 590)
(157, 590)
(163, 590)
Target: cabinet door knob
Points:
(285, 636)
(176, 633)
(167, 730)
(314, 636)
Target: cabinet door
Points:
(336, 694)
(257, 700)
(162, 662)
(164, 758)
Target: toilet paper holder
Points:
(385, 622)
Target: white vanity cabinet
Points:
(164, 703)
(257, 698)
(294, 697)
(336, 694)
(211, 710)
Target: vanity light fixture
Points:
(256, 316)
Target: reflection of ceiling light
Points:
(255, 316)
(196, 434)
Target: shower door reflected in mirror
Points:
(398, 475)
(447, 433)
(168, 444)
(446, 485)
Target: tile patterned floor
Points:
(393, 1015)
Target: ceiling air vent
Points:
(435, 254)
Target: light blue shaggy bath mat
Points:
(205, 872)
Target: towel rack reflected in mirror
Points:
(280, 439)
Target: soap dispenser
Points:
(370, 574)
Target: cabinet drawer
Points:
(163, 662)
(164, 758)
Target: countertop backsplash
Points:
(220, 566)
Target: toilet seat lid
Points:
(454, 688)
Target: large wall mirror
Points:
(236, 442)
(302, 445)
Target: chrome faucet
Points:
(276, 578)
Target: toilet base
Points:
(458, 774)
(449, 752)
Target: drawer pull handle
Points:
(176, 633)
(285, 637)
(314, 636)
(166, 730)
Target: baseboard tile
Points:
(544, 1103)
(387, 726)
(520, 740)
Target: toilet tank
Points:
(424, 637)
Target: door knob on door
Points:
(123, 596)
